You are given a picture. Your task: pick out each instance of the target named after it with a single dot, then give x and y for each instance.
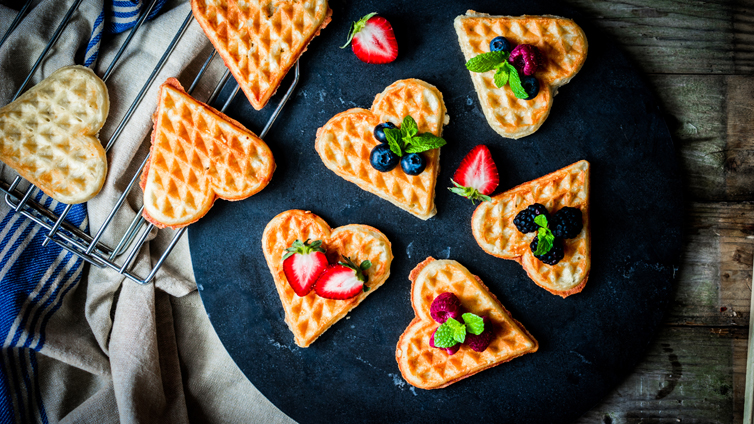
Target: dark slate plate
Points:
(588, 342)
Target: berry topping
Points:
(524, 220)
(445, 306)
(500, 44)
(303, 264)
(449, 350)
(342, 281)
(526, 59)
(379, 131)
(479, 342)
(567, 223)
(476, 177)
(551, 257)
(531, 86)
(382, 158)
(373, 40)
(413, 164)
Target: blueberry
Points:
(531, 86)
(382, 158)
(500, 44)
(413, 164)
(379, 131)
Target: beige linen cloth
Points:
(117, 351)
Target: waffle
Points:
(310, 316)
(430, 368)
(345, 142)
(492, 225)
(562, 44)
(260, 40)
(198, 154)
(49, 134)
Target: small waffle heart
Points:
(260, 40)
(427, 367)
(563, 46)
(311, 315)
(494, 231)
(49, 134)
(345, 143)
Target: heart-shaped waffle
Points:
(198, 154)
(493, 228)
(311, 315)
(49, 134)
(259, 41)
(563, 46)
(345, 142)
(431, 368)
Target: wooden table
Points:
(699, 58)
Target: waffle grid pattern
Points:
(260, 40)
(49, 134)
(310, 316)
(427, 367)
(345, 142)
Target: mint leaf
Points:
(424, 142)
(459, 330)
(541, 220)
(409, 127)
(356, 27)
(394, 140)
(515, 82)
(486, 61)
(474, 323)
(545, 239)
(501, 76)
(444, 336)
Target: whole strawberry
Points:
(476, 177)
(373, 40)
(302, 265)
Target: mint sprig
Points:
(356, 27)
(505, 72)
(545, 238)
(474, 323)
(468, 192)
(407, 139)
(452, 332)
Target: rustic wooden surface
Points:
(699, 58)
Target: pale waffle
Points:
(311, 315)
(259, 40)
(431, 368)
(493, 228)
(198, 154)
(345, 142)
(563, 46)
(49, 134)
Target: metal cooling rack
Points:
(72, 238)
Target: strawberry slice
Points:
(342, 281)
(303, 264)
(373, 40)
(477, 176)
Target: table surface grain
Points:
(698, 57)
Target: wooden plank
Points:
(677, 36)
(689, 375)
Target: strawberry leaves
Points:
(407, 139)
(469, 193)
(356, 27)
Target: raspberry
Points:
(553, 256)
(524, 220)
(478, 343)
(449, 350)
(526, 59)
(445, 306)
(567, 223)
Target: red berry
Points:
(445, 306)
(373, 40)
(477, 175)
(526, 59)
(303, 264)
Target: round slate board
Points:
(588, 342)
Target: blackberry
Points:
(567, 223)
(524, 221)
(552, 257)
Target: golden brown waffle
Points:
(310, 316)
(345, 142)
(260, 40)
(430, 368)
(493, 228)
(49, 134)
(563, 46)
(198, 154)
